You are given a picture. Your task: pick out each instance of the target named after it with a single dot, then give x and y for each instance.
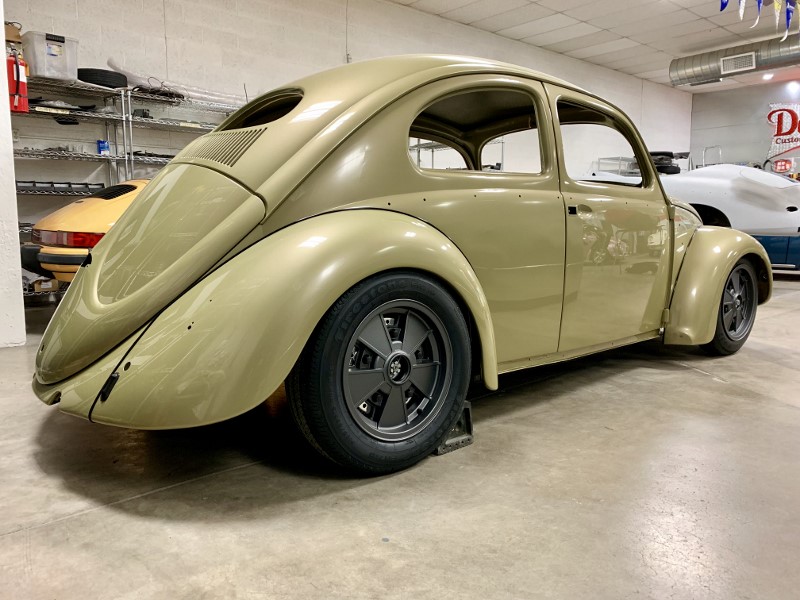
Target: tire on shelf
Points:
(103, 77)
(737, 310)
(383, 379)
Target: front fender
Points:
(710, 256)
(227, 343)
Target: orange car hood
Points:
(92, 215)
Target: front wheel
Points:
(384, 376)
(737, 311)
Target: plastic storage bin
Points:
(51, 55)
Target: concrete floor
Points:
(638, 473)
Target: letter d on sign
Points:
(785, 121)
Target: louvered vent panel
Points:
(738, 63)
(224, 147)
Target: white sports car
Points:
(763, 204)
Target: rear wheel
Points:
(384, 377)
(737, 311)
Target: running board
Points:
(790, 267)
(461, 433)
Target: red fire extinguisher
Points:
(17, 82)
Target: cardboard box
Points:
(45, 285)
(13, 34)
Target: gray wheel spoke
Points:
(736, 282)
(727, 318)
(375, 337)
(394, 409)
(415, 333)
(363, 383)
(423, 376)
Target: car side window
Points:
(427, 154)
(594, 148)
(517, 152)
(490, 130)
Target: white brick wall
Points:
(737, 121)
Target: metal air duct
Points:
(709, 67)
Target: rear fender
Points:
(710, 256)
(227, 343)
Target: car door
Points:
(504, 212)
(618, 245)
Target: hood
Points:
(182, 223)
(746, 185)
(95, 213)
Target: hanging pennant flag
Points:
(759, 4)
(790, 4)
(776, 4)
(741, 9)
(723, 4)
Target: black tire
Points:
(384, 376)
(737, 311)
(668, 169)
(104, 77)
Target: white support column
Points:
(12, 310)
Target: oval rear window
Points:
(263, 110)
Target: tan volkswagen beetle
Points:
(375, 236)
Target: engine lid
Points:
(182, 224)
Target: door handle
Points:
(583, 208)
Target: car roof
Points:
(424, 62)
(381, 71)
(388, 77)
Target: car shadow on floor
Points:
(541, 385)
(259, 461)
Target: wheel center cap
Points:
(398, 368)
(738, 301)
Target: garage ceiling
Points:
(638, 37)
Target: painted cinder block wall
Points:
(225, 45)
(12, 320)
(736, 120)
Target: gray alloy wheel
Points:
(397, 371)
(737, 310)
(384, 376)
